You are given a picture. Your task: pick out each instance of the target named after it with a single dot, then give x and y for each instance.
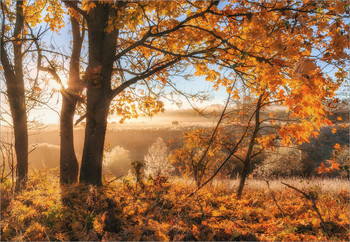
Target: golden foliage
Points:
(163, 211)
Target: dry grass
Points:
(323, 185)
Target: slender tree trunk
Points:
(247, 160)
(16, 95)
(243, 177)
(69, 167)
(102, 49)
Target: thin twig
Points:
(274, 199)
(312, 198)
(116, 178)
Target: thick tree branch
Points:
(73, 5)
(192, 54)
(133, 80)
(225, 40)
(165, 32)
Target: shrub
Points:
(156, 160)
(283, 162)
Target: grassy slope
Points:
(163, 211)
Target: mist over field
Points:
(130, 141)
(134, 136)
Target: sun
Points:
(55, 86)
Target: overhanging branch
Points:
(133, 80)
(73, 5)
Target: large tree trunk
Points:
(16, 96)
(15, 89)
(69, 167)
(102, 48)
(96, 124)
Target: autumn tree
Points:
(15, 88)
(142, 43)
(275, 49)
(71, 96)
(69, 167)
(259, 42)
(20, 28)
(16, 43)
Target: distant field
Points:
(138, 135)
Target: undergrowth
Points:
(160, 210)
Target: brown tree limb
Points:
(133, 80)
(226, 160)
(274, 199)
(80, 119)
(311, 198)
(73, 5)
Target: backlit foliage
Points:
(339, 162)
(272, 46)
(36, 12)
(163, 211)
(157, 159)
(194, 159)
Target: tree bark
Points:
(102, 49)
(69, 167)
(247, 160)
(243, 177)
(16, 94)
(96, 124)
